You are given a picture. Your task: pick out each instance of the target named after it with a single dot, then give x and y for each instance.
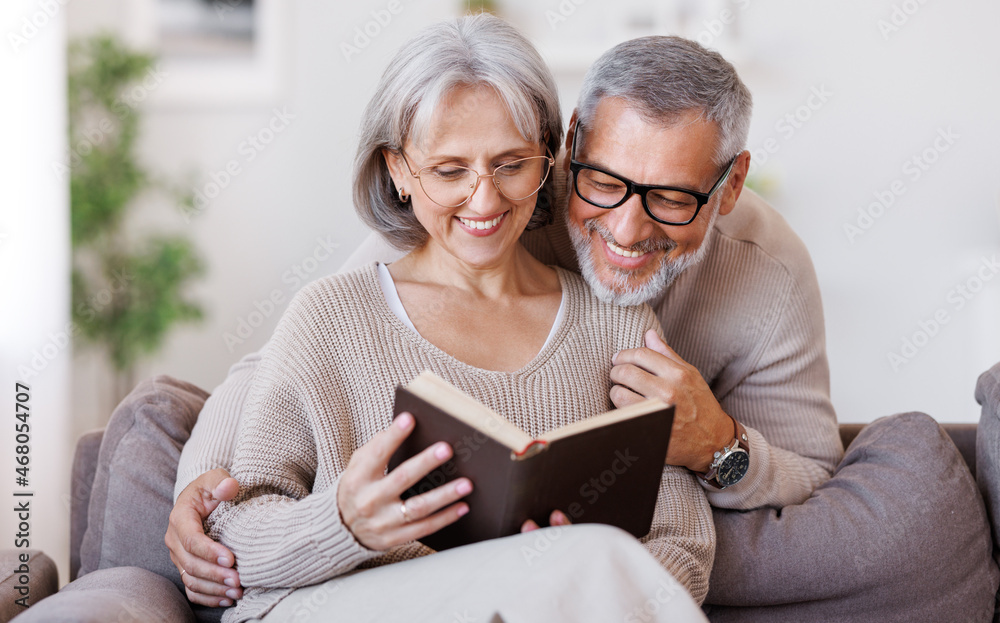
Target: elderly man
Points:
(657, 165)
(654, 212)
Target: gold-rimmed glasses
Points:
(450, 186)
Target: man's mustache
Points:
(592, 225)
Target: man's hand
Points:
(557, 518)
(206, 565)
(701, 427)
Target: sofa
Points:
(860, 562)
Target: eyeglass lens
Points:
(605, 190)
(452, 186)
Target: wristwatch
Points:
(731, 463)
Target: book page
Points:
(464, 407)
(640, 408)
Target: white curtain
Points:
(34, 270)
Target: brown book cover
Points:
(605, 469)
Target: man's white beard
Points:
(622, 291)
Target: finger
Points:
(559, 518)
(225, 490)
(529, 526)
(648, 360)
(190, 533)
(429, 525)
(221, 578)
(209, 480)
(207, 588)
(413, 469)
(423, 505)
(373, 457)
(211, 601)
(622, 396)
(199, 555)
(654, 342)
(646, 384)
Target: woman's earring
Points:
(403, 197)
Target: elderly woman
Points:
(455, 153)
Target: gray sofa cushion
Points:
(132, 493)
(88, 448)
(898, 534)
(988, 455)
(120, 594)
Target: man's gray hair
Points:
(470, 51)
(664, 77)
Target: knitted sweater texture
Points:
(324, 387)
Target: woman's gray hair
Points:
(469, 51)
(664, 77)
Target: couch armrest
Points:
(42, 579)
(88, 447)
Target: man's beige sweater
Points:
(750, 319)
(324, 387)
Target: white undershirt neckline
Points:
(396, 305)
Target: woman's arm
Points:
(682, 536)
(213, 439)
(202, 482)
(282, 532)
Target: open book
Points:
(605, 469)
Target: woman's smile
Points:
(482, 226)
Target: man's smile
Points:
(625, 259)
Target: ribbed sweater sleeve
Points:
(213, 439)
(786, 394)
(682, 535)
(284, 528)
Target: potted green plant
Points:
(127, 289)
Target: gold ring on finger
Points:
(405, 512)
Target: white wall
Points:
(891, 97)
(34, 277)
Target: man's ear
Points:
(569, 140)
(734, 185)
(394, 162)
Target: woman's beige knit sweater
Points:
(325, 386)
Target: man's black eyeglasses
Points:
(663, 204)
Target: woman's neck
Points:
(494, 317)
(518, 273)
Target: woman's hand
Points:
(205, 565)
(557, 518)
(369, 500)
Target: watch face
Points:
(733, 468)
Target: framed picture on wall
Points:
(215, 53)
